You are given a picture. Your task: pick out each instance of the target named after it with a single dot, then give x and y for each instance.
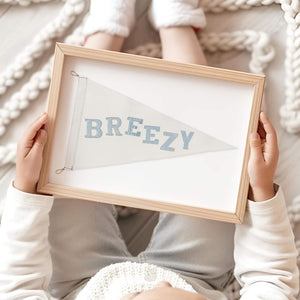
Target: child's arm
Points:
(265, 252)
(25, 262)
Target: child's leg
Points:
(105, 41)
(181, 44)
(84, 237)
(174, 20)
(193, 247)
(109, 23)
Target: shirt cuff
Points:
(265, 207)
(28, 199)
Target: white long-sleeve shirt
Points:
(265, 253)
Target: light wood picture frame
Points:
(111, 114)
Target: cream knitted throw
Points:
(256, 42)
(117, 280)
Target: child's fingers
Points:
(271, 151)
(256, 147)
(34, 127)
(261, 131)
(271, 136)
(39, 143)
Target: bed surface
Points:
(18, 25)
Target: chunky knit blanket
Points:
(257, 43)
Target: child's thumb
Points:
(40, 141)
(255, 144)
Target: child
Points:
(187, 258)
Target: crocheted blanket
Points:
(256, 42)
(72, 16)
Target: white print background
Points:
(218, 108)
(101, 102)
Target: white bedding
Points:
(268, 19)
(18, 25)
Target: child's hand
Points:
(263, 160)
(29, 155)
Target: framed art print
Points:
(149, 133)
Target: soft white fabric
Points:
(265, 253)
(167, 13)
(118, 280)
(116, 17)
(25, 262)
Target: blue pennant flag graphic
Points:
(109, 128)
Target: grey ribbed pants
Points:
(84, 237)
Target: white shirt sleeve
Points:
(265, 253)
(25, 261)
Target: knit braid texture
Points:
(257, 43)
